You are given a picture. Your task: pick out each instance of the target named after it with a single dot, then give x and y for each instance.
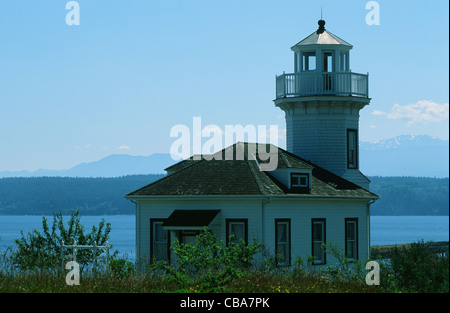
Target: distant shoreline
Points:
(400, 196)
(385, 251)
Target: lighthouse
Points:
(321, 100)
(295, 209)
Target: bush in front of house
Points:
(122, 268)
(209, 264)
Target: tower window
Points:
(328, 62)
(309, 61)
(344, 62)
(352, 148)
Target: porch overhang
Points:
(190, 219)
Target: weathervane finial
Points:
(321, 26)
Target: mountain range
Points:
(406, 155)
(114, 165)
(423, 156)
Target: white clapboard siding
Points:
(317, 131)
(261, 215)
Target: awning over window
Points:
(190, 219)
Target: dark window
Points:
(283, 242)
(237, 229)
(351, 238)
(159, 241)
(309, 61)
(328, 62)
(188, 236)
(352, 148)
(299, 180)
(318, 239)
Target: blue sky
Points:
(132, 70)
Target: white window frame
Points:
(315, 222)
(354, 251)
(229, 225)
(287, 243)
(154, 243)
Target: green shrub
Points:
(418, 269)
(344, 270)
(209, 264)
(42, 250)
(122, 268)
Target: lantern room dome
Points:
(321, 37)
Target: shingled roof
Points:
(208, 176)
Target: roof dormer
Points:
(294, 179)
(300, 180)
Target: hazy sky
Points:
(131, 70)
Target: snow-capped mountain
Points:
(399, 156)
(405, 156)
(405, 141)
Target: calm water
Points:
(122, 235)
(385, 230)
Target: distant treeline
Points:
(104, 196)
(92, 196)
(410, 196)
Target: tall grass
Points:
(411, 269)
(252, 281)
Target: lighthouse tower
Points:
(321, 101)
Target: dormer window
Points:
(299, 180)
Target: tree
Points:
(36, 250)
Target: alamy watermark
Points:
(255, 137)
(373, 16)
(73, 16)
(73, 277)
(373, 277)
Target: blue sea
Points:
(385, 230)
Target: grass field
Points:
(250, 282)
(411, 268)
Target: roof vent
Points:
(321, 26)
